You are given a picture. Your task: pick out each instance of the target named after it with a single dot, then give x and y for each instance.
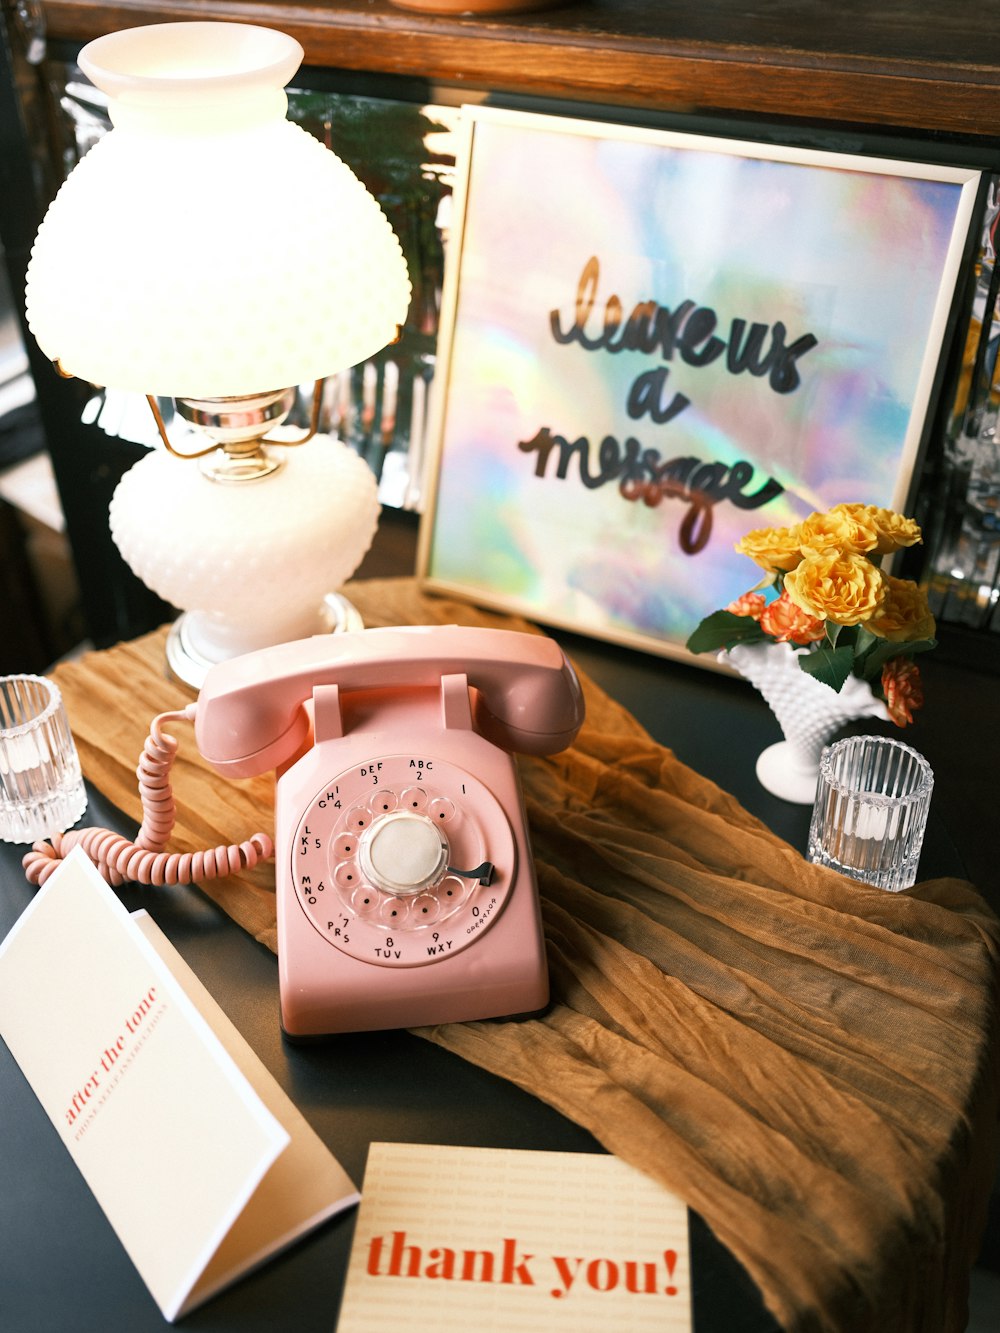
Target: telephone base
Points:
(363, 999)
(325, 1038)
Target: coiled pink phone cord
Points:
(144, 861)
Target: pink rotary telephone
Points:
(405, 889)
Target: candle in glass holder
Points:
(870, 811)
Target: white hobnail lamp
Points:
(210, 251)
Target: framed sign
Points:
(652, 343)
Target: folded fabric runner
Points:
(809, 1063)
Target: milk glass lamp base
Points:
(189, 663)
(252, 563)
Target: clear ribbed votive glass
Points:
(870, 812)
(41, 787)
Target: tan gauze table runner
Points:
(809, 1063)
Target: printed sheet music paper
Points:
(202, 1165)
(479, 1238)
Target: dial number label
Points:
(376, 856)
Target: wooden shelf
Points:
(896, 65)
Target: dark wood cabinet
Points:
(900, 64)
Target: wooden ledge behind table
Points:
(809, 1063)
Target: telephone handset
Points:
(250, 720)
(405, 888)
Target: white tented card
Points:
(202, 1165)
(483, 1238)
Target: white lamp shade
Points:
(208, 247)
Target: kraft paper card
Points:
(483, 1238)
(202, 1165)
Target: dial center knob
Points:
(403, 853)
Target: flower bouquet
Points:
(824, 591)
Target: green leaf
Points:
(886, 651)
(864, 641)
(830, 666)
(724, 629)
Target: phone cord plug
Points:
(145, 861)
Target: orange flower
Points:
(750, 604)
(903, 689)
(787, 623)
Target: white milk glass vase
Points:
(808, 712)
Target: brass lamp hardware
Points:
(313, 427)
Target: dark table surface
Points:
(62, 1268)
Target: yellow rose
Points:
(903, 615)
(773, 549)
(846, 589)
(892, 531)
(844, 528)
